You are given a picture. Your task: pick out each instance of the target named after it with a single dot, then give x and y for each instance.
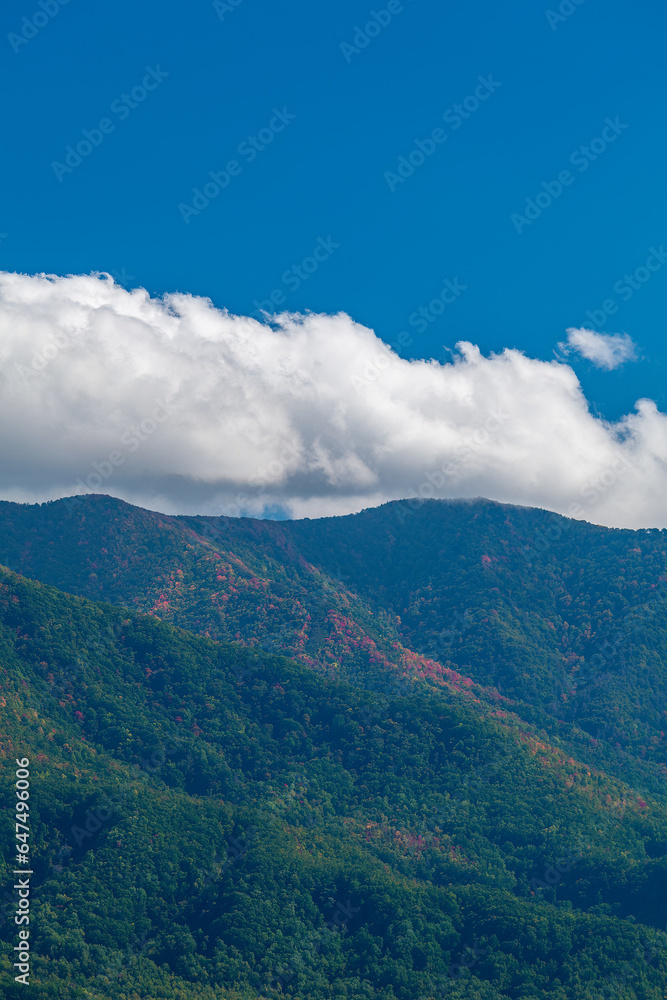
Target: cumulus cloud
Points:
(605, 350)
(178, 406)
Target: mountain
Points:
(563, 616)
(207, 821)
(413, 804)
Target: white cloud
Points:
(605, 350)
(176, 405)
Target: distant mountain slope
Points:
(565, 616)
(214, 823)
(222, 578)
(559, 613)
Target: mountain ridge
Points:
(441, 594)
(193, 798)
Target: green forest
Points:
(408, 754)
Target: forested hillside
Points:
(563, 616)
(411, 753)
(209, 821)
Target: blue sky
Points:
(323, 175)
(421, 173)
